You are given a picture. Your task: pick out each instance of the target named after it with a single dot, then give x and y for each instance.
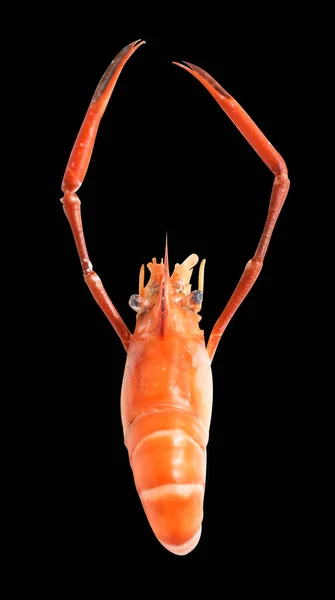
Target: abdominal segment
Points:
(168, 456)
(166, 404)
(169, 468)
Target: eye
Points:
(136, 302)
(197, 297)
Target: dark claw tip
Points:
(105, 79)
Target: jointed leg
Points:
(74, 175)
(279, 192)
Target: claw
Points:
(81, 153)
(207, 80)
(118, 61)
(239, 117)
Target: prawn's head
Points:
(169, 300)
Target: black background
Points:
(167, 159)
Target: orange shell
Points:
(166, 405)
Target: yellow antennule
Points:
(141, 281)
(201, 275)
(190, 261)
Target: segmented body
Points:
(166, 405)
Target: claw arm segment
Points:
(82, 150)
(101, 297)
(71, 205)
(74, 175)
(280, 188)
(240, 118)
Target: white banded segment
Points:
(177, 436)
(167, 456)
(183, 490)
(170, 471)
(175, 513)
